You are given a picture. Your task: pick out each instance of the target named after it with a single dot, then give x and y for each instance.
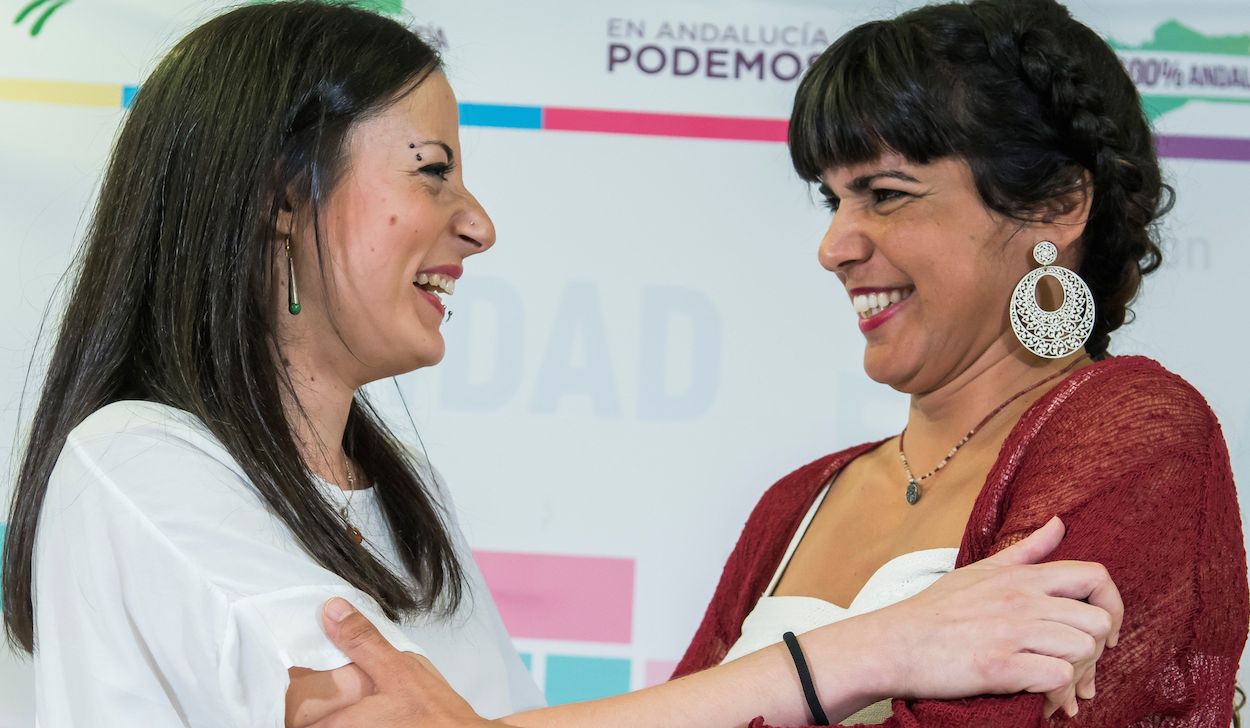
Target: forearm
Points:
(763, 683)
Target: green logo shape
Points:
(385, 7)
(1175, 37)
(49, 7)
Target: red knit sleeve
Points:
(1139, 471)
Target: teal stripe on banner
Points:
(574, 679)
(128, 95)
(501, 115)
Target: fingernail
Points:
(339, 609)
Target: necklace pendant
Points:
(356, 535)
(913, 492)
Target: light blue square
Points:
(128, 95)
(573, 679)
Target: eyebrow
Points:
(859, 184)
(451, 156)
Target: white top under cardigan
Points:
(167, 594)
(899, 578)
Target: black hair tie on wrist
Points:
(805, 678)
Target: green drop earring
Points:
(292, 291)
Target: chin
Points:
(429, 354)
(422, 360)
(434, 358)
(887, 369)
(423, 353)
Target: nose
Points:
(846, 242)
(473, 226)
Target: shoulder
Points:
(135, 423)
(140, 479)
(148, 484)
(1127, 398)
(1146, 379)
(148, 454)
(1119, 415)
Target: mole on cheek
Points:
(394, 219)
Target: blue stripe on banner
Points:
(128, 95)
(528, 660)
(501, 115)
(574, 679)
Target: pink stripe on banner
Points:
(578, 598)
(670, 125)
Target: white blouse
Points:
(167, 594)
(902, 577)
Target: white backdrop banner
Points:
(651, 343)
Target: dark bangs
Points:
(874, 90)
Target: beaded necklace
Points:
(913, 483)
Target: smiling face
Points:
(395, 232)
(928, 267)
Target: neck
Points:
(319, 417)
(937, 419)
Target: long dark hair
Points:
(1028, 96)
(173, 300)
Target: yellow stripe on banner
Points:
(61, 92)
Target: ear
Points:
(284, 222)
(286, 194)
(1061, 220)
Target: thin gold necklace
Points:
(352, 531)
(913, 483)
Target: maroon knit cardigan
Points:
(1133, 460)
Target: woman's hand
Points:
(1004, 625)
(408, 692)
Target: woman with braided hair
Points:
(994, 188)
(960, 147)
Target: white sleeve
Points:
(267, 634)
(162, 583)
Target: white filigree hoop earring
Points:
(1052, 334)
